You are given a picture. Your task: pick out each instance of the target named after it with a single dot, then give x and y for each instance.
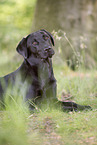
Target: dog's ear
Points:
(52, 39)
(22, 47)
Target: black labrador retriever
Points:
(36, 71)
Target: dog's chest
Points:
(44, 73)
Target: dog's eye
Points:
(45, 37)
(35, 43)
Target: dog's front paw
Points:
(82, 107)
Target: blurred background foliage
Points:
(15, 21)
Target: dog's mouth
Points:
(45, 55)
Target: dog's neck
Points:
(43, 67)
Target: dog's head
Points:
(38, 43)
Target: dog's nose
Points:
(47, 49)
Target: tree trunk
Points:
(78, 18)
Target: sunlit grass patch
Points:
(13, 122)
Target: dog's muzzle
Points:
(46, 53)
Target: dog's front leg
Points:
(51, 93)
(31, 97)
